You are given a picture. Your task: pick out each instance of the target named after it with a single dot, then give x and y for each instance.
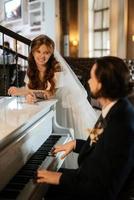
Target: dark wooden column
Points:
(69, 25)
(130, 43)
(64, 19)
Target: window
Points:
(100, 28)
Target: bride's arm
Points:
(15, 91)
(20, 91)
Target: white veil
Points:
(73, 108)
(71, 82)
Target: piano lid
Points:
(16, 114)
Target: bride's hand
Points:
(31, 98)
(42, 94)
(13, 91)
(66, 148)
(48, 94)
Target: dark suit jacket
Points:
(104, 166)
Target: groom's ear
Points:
(99, 85)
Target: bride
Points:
(49, 76)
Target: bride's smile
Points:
(42, 55)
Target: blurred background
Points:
(80, 28)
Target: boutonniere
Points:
(94, 134)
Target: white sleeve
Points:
(58, 77)
(26, 79)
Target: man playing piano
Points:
(106, 159)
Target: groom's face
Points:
(93, 83)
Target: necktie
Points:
(100, 122)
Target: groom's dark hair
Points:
(114, 75)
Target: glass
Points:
(98, 4)
(105, 52)
(106, 3)
(97, 53)
(105, 18)
(97, 40)
(106, 40)
(97, 20)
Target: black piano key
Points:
(38, 157)
(9, 195)
(52, 139)
(20, 179)
(24, 176)
(45, 149)
(42, 152)
(31, 167)
(16, 186)
(28, 171)
(35, 162)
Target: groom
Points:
(107, 157)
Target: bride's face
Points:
(42, 55)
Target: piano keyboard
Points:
(21, 184)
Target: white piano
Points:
(27, 134)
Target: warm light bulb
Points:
(133, 38)
(74, 42)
